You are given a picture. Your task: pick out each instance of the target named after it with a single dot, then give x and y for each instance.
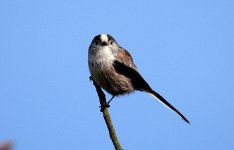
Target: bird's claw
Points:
(90, 78)
(105, 106)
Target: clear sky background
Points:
(184, 49)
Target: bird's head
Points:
(103, 40)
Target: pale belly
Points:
(105, 75)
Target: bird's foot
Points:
(90, 78)
(103, 107)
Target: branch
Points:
(106, 116)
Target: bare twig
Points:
(106, 116)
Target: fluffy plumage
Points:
(113, 69)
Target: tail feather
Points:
(140, 84)
(168, 105)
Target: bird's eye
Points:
(111, 42)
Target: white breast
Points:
(104, 55)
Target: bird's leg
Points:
(107, 104)
(110, 100)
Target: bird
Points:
(112, 68)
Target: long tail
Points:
(164, 102)
(140, 84)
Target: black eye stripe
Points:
(97, 38)
(109, 37)
(96, 42)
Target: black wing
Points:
(140, 84)
(137, 81)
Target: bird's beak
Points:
(104, 43)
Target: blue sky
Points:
(184, 49)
